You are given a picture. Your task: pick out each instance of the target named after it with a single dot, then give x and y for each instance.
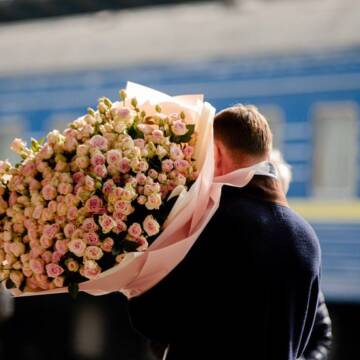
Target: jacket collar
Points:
(265, 188)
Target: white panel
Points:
(275, 117)
(336, 149)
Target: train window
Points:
(335, 150)
(275, 116)
(11, 127)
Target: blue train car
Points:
(311, 101)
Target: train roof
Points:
(170, 34)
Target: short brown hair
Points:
(243, 128)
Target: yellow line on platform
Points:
(314, 210)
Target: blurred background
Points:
(297, 60)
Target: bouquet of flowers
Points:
(105, 205)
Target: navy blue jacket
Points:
(247, 289)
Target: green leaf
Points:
(155, 163)
(9, 284)
(134, 132)
(73, 288)
(42, 140)
(117, 248)
(129, 245)
(35, 146)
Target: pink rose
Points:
(175, 152)
(151, 226)
(72, 213)
(120, 113)
(37, 265)
(46, 152)
(70, 133)
(140, 178)
(140, 143)
(181, 165)
(91, 269)
(179, 128)
(91, 238)
(28, 169)
(37, 211)
(162, 178)
(157, 136)
(153, 201)
(107, 223)
(99, 142)
(143, 166)
(120, 227)
(56, 257)
(59, 281)
(108, 186)
(167, 165)
(13, 198)
(46, 242)
(34, 185)
(77, 234)
(31, 283)
(180, 179)
(124, 165)
(93, 253)
(49, 192)
(18, 146)
(89, 183)
(77, 247)
(135, 230)
(97, 159)
(46, 256)
(123, 207)
(143, 244)
(50, 231)
(113, 157)
(100, 170)
(89, 225)
(107, 244)
(188, 152)
(82, 162)
(71, 199)
(141, 199)
(82, 150)
(62, 209)
(52, 206)
(78, 177)
(65, 188)
(70, 144)
(147, 129)
(54, 270)
(17, 248)
(72, 265)
(61, 246)
(118, 216)
(42, 281)
(69, 230)
(94, 204)
(153, 173)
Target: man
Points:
(318, 347)
(248, 288)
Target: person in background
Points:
(319, 344)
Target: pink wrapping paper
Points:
(140, 271)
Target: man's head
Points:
(242, 138)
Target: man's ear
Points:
(217, 158)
